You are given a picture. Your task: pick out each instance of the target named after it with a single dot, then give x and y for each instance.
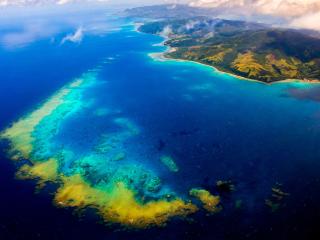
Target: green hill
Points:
(246, 49)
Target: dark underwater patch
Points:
(311, 94)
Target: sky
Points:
(297, 13)
(300, 13)
(63, 2)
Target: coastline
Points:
(160, 56)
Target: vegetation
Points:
(250, 50)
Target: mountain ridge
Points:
(247, 49)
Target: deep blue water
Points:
(217, 127)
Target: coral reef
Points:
(22, 133)
(118, 204)
(275, 201)
(44, 171)
(225, 186)
(105, 178)
(209, 201)
(169, 162)
(102, 112)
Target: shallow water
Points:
(215, 127)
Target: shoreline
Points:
(160, 56)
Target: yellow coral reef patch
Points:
(20, 133)
(210, 202)
(45, 171)
(114, 201)
(119, 204)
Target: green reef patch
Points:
(102, 112)
(169, 162)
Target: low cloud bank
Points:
(297, 13)
(24, 26)
(5, 3)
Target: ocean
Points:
(214, 126)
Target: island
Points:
(246, 49)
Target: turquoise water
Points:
(214, 126)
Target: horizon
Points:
(305, 18)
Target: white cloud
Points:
(299, 13)
(289, 8)
(4, 3)
(29, 33)
(311, 21)
(166, 32)
(25, 26)
(61, 2)
(75, 37)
